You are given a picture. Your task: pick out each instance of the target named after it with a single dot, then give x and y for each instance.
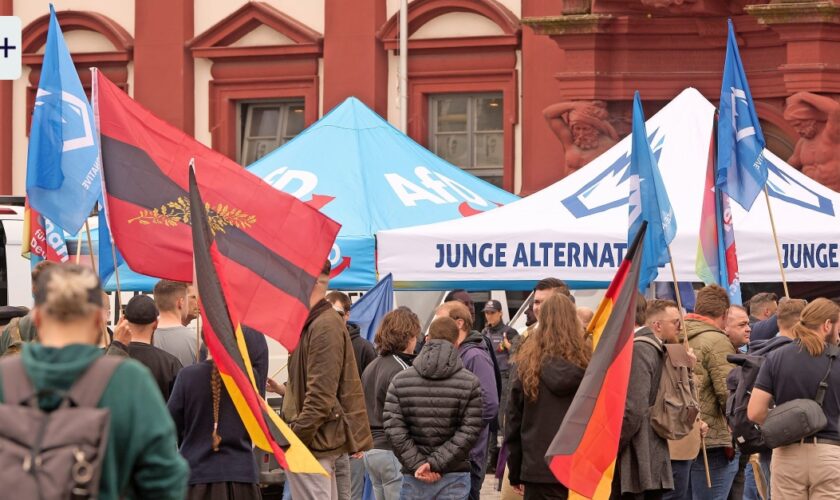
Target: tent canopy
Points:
(576, 229)
(367, 175)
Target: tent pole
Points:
(776, 241)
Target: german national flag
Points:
(583, 453)
(224, 338)
(272, 246)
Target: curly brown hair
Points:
(557, 335)
(395, 332)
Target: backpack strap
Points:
(831, 352)
(648, 340)
(17, 388)
(88, 389)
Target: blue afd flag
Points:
(368, 311)
(742, 168)
(648, 201)
(62, 173)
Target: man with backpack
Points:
(644, 465)
(740, 383)
(75, 423)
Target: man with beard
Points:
(817, 153)
(583, 129)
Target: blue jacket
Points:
(476, 359)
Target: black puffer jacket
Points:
(433, 411)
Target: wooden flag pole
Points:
(685, 344)
(679, 297)
(90, 247)
(195, 285)
(776, 241)
(78, 250)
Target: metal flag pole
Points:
(403, 67)
(90, 247)
(776, 242)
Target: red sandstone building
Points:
(483, 75)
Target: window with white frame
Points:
(267, 125)
(467, 130)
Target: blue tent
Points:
(367, 175)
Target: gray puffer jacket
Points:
(433, 411)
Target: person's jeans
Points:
(452, 486)
(342, 476)
(477, 477)
(682, 480)
(384, 471)
(314, 486)
(357, 478)
(721, 471)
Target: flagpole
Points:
(78, 250)
(679, 297)
(90, 246)
(195, 281)
(685, 344)
(776, 241)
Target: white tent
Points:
(576, 229)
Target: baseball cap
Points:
(493, 305)
(141, 310)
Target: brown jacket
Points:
(324, 402)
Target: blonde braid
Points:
(216, 387)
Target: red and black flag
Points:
(583, 453)
(272, 245)
(226, 343)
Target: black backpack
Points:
(740, 382)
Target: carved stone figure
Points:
(817, 153)
(583, 128)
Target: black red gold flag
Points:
(583, 453)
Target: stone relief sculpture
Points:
(584, 129)
(817, 153)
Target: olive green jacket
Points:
(711, 346)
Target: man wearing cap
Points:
(501, 336)
(817, 153)
(133, 337)
(584, 130)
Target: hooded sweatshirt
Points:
(141, 458)
(531, 425)
(362, 349)
(476, 358)
(433, 411)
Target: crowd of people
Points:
(421, 415)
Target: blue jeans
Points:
(357, 478)
(722, 471)
(384, 471)
(452, 486)
(750, 488)
(682, 480)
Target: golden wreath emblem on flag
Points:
(178, 212)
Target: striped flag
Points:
(717, 261)
(583, 453)
(273, 245)
(224, 338)
(42, 240)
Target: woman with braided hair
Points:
(210, 432)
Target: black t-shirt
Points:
(164, 366)
(790, 372)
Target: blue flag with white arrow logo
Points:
(648, 201)
(741, 166)
(62, 174)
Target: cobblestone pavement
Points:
(488, 488)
